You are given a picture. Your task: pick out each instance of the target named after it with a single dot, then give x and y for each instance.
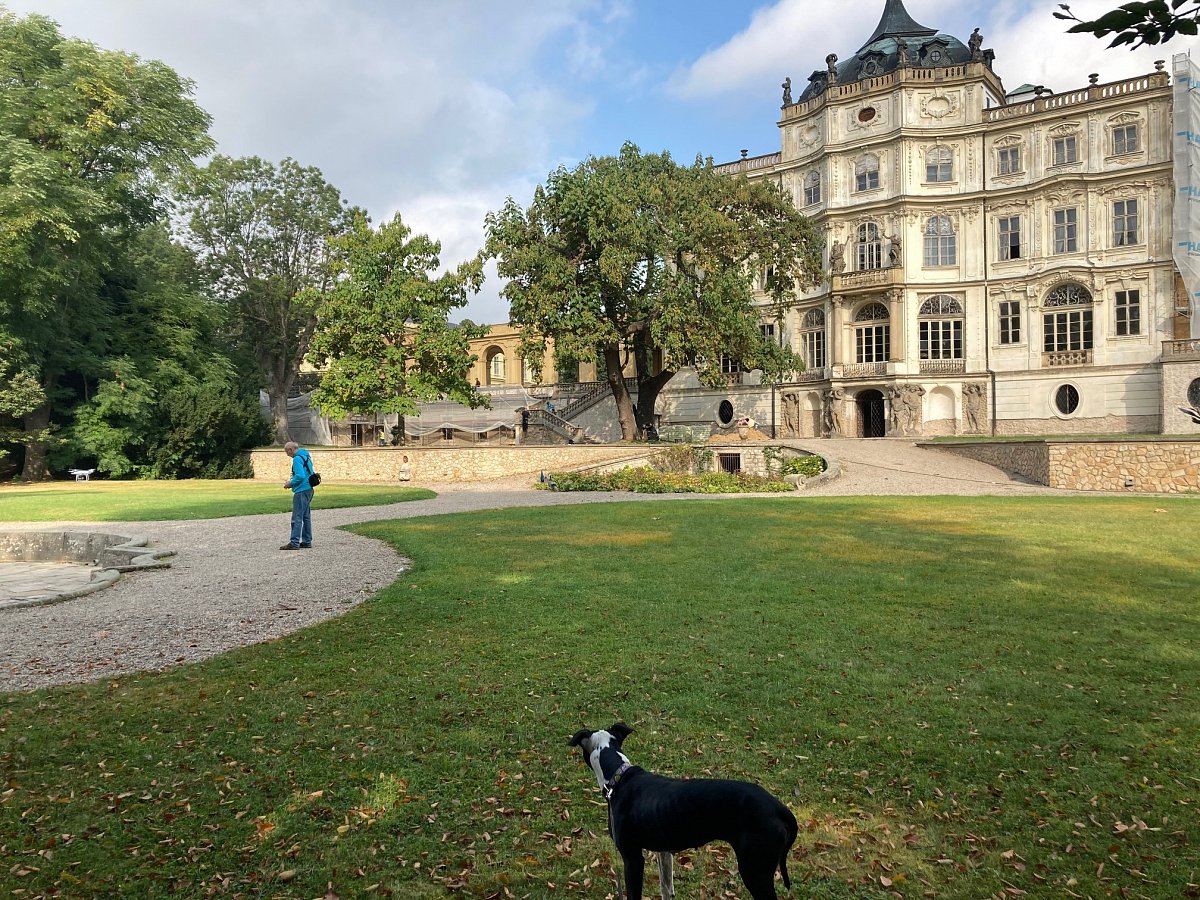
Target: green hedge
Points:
(650, 481)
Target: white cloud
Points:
(792, 38)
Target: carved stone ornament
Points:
(938, 106)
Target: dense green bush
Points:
(650, 481)
(808, 466)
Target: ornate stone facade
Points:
(1006, 255)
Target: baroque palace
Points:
(998, 263)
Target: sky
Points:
(440, 111)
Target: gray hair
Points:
(291, 445)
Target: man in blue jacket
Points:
(302, 494)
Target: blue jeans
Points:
(302, 517)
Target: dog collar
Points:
(612, 785)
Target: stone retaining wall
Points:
(1147, 466)
(375, 464)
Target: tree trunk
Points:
(616, 382)
(649, 385)
(648, 391)
(279, 414)
(36, 468)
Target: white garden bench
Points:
(82, 474)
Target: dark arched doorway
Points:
(872, 422)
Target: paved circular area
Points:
(229, 585)
(30, 581)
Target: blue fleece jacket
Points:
(301, 469)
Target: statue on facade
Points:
(831, 412)
(837, 260)
(831, 67)
(791, 414)
(787, 91)
(974, 398)
(905, 416)
(902, 59)
(974, 43)
(894, 250)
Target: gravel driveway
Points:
(229, 585)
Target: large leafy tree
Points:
(1145, 22)
(263, 232)
(638, 257)
(87, 137)
(170, 401)
(383, 337)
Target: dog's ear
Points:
(620, 731)
(580, 736)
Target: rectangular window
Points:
(1010, 160)
(1010, 322)
(1065, 231)
(940, 250)
(1125, 139)
(866, 181)
(767, 329)
(1065, 150)
(1070, 330)
(1125, 223)
(1129, 312)
(938, 166)
(812, 192)
(871, 343)
(1010, 237)
(729, 365)
(941, 339)
(812, 349)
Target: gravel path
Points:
(229, 585)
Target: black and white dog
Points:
(666, 815)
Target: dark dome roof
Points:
(925, 47)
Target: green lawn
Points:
(145, 501)
(958, 697)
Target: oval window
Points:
(725, 412)
(1193, 394)
(867, 114)
(1066, 399)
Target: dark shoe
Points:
(290, 547)
(306, 546)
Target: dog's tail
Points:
(793, 829)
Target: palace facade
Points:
(998, 262)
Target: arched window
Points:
(1067, 319)
(939, 164)
(812, 188)
(866, 173)
(941, 248)
(941, 328)
(496, 366)
(872, 334)
(870, 251)
(812, 339)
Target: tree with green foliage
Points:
(170, 402)
(383, 337)
(638, 257)
(20, 394)
(1140, 23)
(263, 233)
(87, 138)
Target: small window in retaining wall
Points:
(725, 412)
(1193, 393)
(730, 462)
